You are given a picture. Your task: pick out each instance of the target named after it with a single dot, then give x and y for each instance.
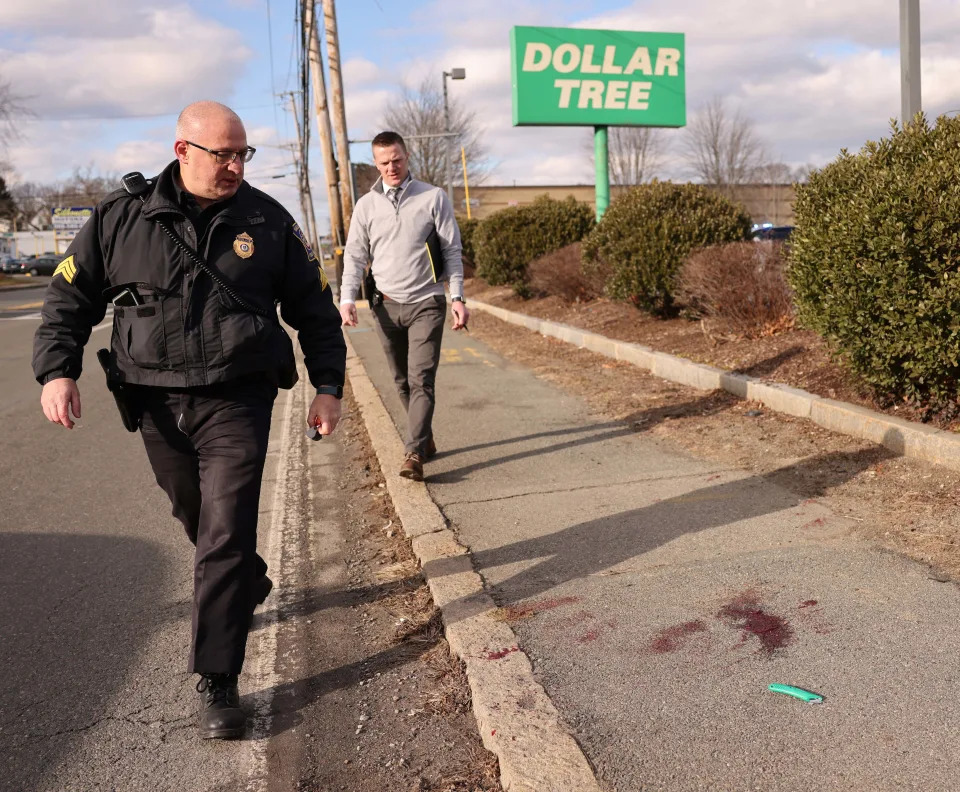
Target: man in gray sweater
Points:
(390, 229)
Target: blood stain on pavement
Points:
(670, 639)
(746, 613)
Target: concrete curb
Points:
(907, 438)
(516, 718)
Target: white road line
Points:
(278, 546)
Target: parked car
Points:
(41, 265)
(9, 264)
(15, 265)
(773, 233)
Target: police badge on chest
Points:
(243, 245)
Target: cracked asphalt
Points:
(95, 582)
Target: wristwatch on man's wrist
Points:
(330, 390)
(459, 299)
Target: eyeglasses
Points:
(224, 157)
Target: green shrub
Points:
(875, 262)
(647, 233)
(508, 240)
(468, 229)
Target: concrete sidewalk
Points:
(656, 596)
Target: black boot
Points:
(220, 713)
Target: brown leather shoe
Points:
(412, 467)
(431, 450)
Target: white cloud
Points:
(360, 72)
(155, 68)
(814, 76)
(95, 18)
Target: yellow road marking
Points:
(24, 306)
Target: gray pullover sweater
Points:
(394, 240)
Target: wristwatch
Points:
(330, 390)
(458, 299)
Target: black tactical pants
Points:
(207, 448)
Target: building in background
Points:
(28, 243)
(765, 203)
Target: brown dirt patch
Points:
(378, 702)
(906, 505)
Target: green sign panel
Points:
(576, 77)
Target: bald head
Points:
(199, 115)
(216, 128)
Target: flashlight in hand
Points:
(313, 433)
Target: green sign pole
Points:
(603, 170)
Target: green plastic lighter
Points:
(798, 693)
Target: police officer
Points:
(201, 354)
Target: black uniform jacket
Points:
(187, 332)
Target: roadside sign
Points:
(66, 222)
(579, 77)
(70, 218)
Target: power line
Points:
(273, 79)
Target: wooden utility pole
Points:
(306, 197)
(339, 111)
(337, 225)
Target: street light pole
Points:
(453, 74)
(909, 60)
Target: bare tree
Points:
(34, 201)
(636, 154)
(420, 112)
(31, 201)
(722, 148)
(11, 108)
(87, 187)
(801, 174)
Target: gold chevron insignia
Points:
(323, 278)
(66, 268)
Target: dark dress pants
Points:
(207, 447)
(411, 335)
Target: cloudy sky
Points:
(105, 79)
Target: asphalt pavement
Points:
(96, 581)
(657, 596)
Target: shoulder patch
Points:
(66, 268)
(298, 233)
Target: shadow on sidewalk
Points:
(597, 545)
(568, 554)
(640, 421)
